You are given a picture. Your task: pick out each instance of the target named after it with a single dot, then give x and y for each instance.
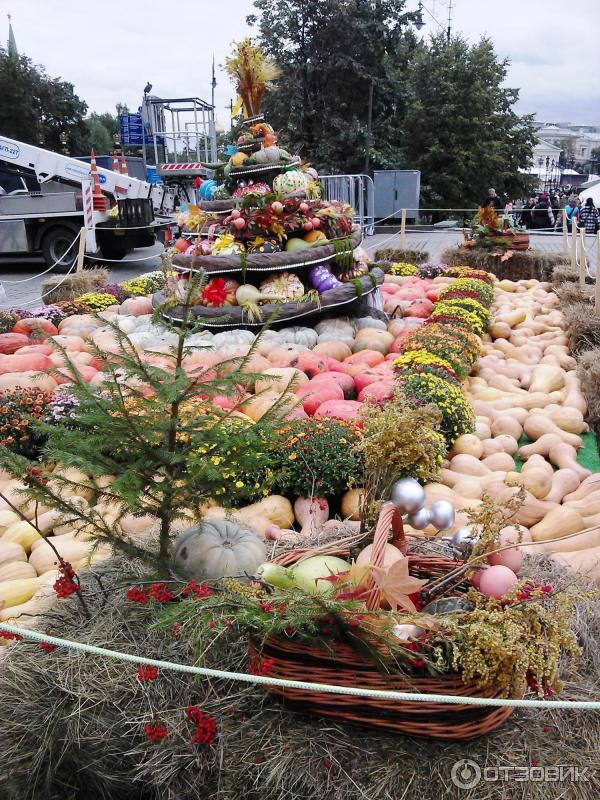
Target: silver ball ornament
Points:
(408, 495)
(420, 519)
(405, 632)
(442, 515)
(462, 541)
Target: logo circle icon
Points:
(465, 773)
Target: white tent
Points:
(592, 189)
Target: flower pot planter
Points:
(516, 241)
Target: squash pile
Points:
(528, 412)
(529, 409)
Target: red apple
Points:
(308, 226)
(303, 207)
(316, 222)
(235, 214)
(239, 223)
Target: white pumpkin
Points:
(218, 548)
(233, 337)
(299, 335)
(369, 322)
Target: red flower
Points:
(545, 729)
(215, 292)
(8, 635)
(176, 630)
(47, 646)
(161, 593)
(418, 663)
(327, 763)
(137, 595)
(147, 672)
(66, 585)
(206, 727)
(200, 590)
(269, 608)
(534, 762)
(155, 732)
(260, 666)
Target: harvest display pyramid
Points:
(271, 246)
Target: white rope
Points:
(121, 260)
(56, 263)
(354, 691)
(51, 289)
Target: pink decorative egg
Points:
(476, 578)
(496, 581)
(513, 559)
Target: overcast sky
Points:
(109, 50)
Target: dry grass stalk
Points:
(583, 326)
(401, 255)
(588, 370)
(570, 292)
(69, 287)
(72, 724)
(521, 265)
(565, 273)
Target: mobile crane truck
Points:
(47, 198)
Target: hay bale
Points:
(588, 370)
(583, 327)
(520, 266)
(401, 255)
(73, 724)
(569, 293)
(69, 287)
(565, 272)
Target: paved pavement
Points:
(27, 292)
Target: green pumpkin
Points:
(291, 181)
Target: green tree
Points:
(154, 430)
(103, 127)
(567, 151)
(460, 128)
(36, 108)
(329, 58)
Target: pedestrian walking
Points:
(589, 217)
(493, 200)
(526, 212)
(571, 211)
(542, 217)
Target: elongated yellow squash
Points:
(13, 593)
(11, 552)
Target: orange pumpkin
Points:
(372, 339)
(137, 306)
(368, 357)
(314, 394)
(34, 327)
(11, 342)
(30, 362)
(333, 349)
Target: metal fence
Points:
(357, 191)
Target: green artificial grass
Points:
(587, 457)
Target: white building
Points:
(579, 139)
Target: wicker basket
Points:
(342, 666)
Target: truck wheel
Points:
(55, 245)
(114, 251)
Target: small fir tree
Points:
(151, 440)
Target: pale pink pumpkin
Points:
(313, 395)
